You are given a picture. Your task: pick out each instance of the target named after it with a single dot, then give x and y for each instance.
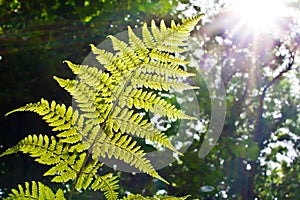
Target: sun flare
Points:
(260, 14)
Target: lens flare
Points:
(260, 14)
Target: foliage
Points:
(35, 36)
(257, 155)
(108, 110)
(37, 190)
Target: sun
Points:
(260, 14)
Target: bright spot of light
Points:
(260, 14)
(161, 192)
(248, 167)
(207, 188)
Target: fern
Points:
(68, 164)
(36, 191)
(108, 113)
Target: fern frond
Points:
(163, 28)
(189, 23)
(137, 44)
(120, 147)
(158, 82)
(124, 51)
(130, 60)
(149, 101)
(84, 95)
(120, 64)
(112, 63)
(92, 80)
(65, 167)
(108, 110)
(92, 76)
(87, 174)
(156, 33)
(142, 129)
(158, 56)
(165, 69)
(36, 191)
(88, 99)
(127, 122)
(175, 37)
(108, 184)
(47, 151)
(147, 37)
(56, 115)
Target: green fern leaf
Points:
(137, 44)
(73, 127)
(65, 167)
(159, 82)
(134, 125)
(164, 69)
(156, 33)
(55, 115)
(107, 184)
(108, 110)
(147, 37)
(133, 156)
(87, 175)
(40, 147)
(149, 101)
(37, 191)
(59, 195)
(111, 63)
(103, 56)
(92, 76)
(159, 56)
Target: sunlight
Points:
(260, 14)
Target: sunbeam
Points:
(260, 15)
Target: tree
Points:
(257, 151)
